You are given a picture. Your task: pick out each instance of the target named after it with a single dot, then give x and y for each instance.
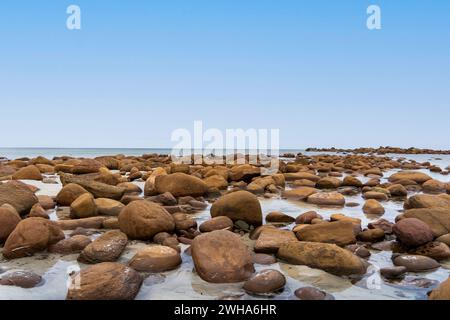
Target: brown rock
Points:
(382, 224)
(222, 257)
(217, 223)
(90, 223)
(69, 193)
(105, 281)
(46, 202)
(312, 294)
(83, 207)
(442, 292)
(433, 186)
(155, 259)
(327, 199)
(97, 189)
(23, 279)
(18, 195)
(328, 183)
(279, 217)
(180, 185)
(9, 219)
(435, 250)
(413, 232)
(71, 245)
(417, 177)
(350, 181)
(108, 207)
(265, 282)
(28, 173)
(264, 259)
(397, 190)
(216, 181)
(340, 233)
(245, 172)
(299, 194)
(38, 211)
(31, 235)
(372, 206)
(143, 220)
(107, 248)
(438, 219)
(444, 239)
(371, 235)
(414, 263)
(271, 239)
(307, 217)
(428, 201)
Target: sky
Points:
(138, 70)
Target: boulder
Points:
(83, 207)
(270, 240)
(216, 181)
(414, 263)
(397, 190)
(155, 259)
(222, 257)
(264, 259)
(89, 223)
(279, 217)
(150, 188)
(265, 282)
(69, 193)
(106, 248)
(30, 236)
(299, 194)
(340, 233)
(444, 239)
(97, 189)
(328, 183)
(434, 186)
(217, 223)
(46, 202)
(307, 217)
(327, 199)
(30, 172)
(108, 207)
(312, 294)
(38, 211)
(438, 219)
(23, 279)
(143, 220)
(324, 256)
(87, 166)
(180, 185)
(71, 245)
(393, 272)
(17, 195)
(350, 181)
(9, 219)
(245, 172)
(413, 232)
(105, 281)
(372, 206)
(428, 201)
(371, 235)
(301, 176)
(374, 195)
(239, 205)
(442, 292)
(382, 224)
(435, 250)
(415, 176)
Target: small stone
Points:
(265, 282)
(310, 293)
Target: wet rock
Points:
(165, 198)
(46, 202)
(435, 250)
(222, 257)
(414, 263)
(30, 172)
(279, 217)
(108, 207)
(264, 259)
(340, 233)
(413, 232)
(155, 259)
(9, 219)
(442, 292)
(327, 199)
(184, 221)
(352, 204)
(97, 189)
(82, 231)
(83, 207)
(415, 176)
(18, 195)
(89, 223)
(371, 235)
(106, 248)
(150, 188)
(304, 183)
(350, 181)
(444, 239)
(301, 175)
(245, 172)
(372, 206)
(393, 272)
(69, 193)
(374, 195)
(38, 211)
(87, 166)
(324, 256)
(397, 190)
(143, 220)
(216, 181)
(105, 281)
(265, 282)
(23, 279)
(71, 245)
(299, 194)
(130, 187)
(358, 250)
(180, 185)
(438, 219)
(217, 223)
(30, 236)
(271, 239)
(433, 186)
(307, 217)
(111, 223)
(428, 201)
(382, 246)
(239, 205)
(312, 294)
(382, 224)
(328, 183)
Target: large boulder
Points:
(216, 181)
(438, 219)
(180, 185)
(434, 186)
(245, 172)
(270, 240)
(28, 173)
(442, 292)
(97, 189)
(222, 257)
(328, 183)
(428, 201)
(106, 248)
(418, 177)
(324, 256)
(155, 259)
(340, 233)
(83, 207)
(413, 232)
(18, 195)
(239, 205)
(9, 219)
(415, 263)
(69, 193)
(108, 207)
(149, 187)
(87, 166)
(105, 281)
(144, 219)
(30, 236)
(327, 199)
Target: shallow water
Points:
(184, 283)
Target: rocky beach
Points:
(328, 225)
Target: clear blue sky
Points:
(139, 69)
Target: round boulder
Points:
(155, 259)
